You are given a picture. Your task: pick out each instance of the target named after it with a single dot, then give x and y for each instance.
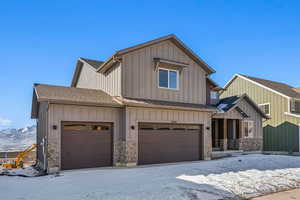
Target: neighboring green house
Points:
(278, 100)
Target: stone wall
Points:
(223, 144)
(251, 144)
(233, 144)
(246, 144)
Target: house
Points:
(280, 102)
(150, 103)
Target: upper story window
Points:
(214, 95)
(168, 78)
(266, 108)
(295, 106)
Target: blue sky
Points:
(40, 41)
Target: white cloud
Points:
(5, 122)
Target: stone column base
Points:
(223, 144)
(233, 144)
(120, 164)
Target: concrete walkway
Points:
(287, 195)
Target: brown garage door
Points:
(86, 145)
(163, 143)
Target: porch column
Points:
(216, 133)
(223, 141)
(241, 129)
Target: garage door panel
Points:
(161, 146)
(87, 146)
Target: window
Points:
(75, 127)
(214, 95)
(168, 78)
(86, 127)
(294, 106)
(248, 129)
(265, 107)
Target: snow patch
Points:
(250, 183)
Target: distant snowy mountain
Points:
(17, 139)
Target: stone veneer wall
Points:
(251, 144)
(246, 144)
(233, 144)
(223, 144)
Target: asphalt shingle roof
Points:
(228, 102)
(71, 94)
(277, 86)
(94, 63)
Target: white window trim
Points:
(177, 79)
(292, 114)
(263, 104)
(252, 129)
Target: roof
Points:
(82, 96)
(229, 103)
(165, 104)
(70, 95)
(216, 87)
(297, 89)
(95, 64)
(114, 58)
(281, 88)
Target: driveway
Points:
(230, 178)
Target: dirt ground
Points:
(287, 195)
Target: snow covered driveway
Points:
(230, 178)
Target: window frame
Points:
(263, 104)
(248, 122)
(215, 93)
(169, 70)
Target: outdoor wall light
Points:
(132, 127)
(207, 128)
(54, 127)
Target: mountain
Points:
(17, 139)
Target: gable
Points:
(250, 110)
(140, 75)
(281, 89)
(171, 38)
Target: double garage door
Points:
(163, 143)
(86, 145)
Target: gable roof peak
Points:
(172, 37)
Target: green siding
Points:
(281, 132)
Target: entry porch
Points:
(227, 134)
